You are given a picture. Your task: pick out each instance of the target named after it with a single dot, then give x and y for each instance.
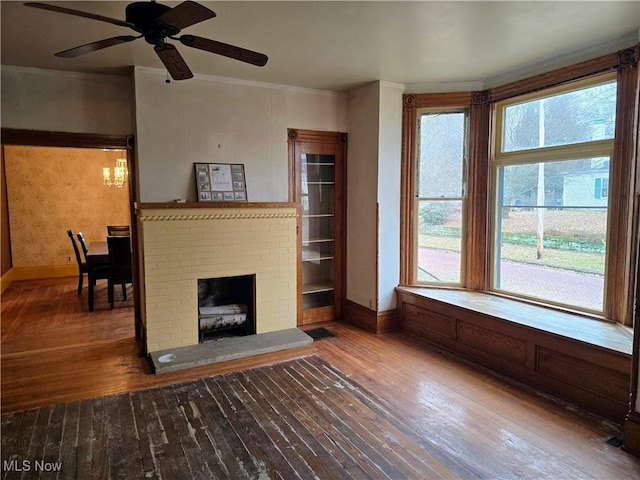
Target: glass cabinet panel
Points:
(318, 219)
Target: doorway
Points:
(58, 142)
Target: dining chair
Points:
(83, 244)
(82, 266)
(85, 249)
(118, 230)
(119, 264)
(95, 272)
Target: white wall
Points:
(362, 184)
(373, 195)
(210, 119)
(389, 155)
(49, 100)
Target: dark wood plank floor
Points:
(299, 419)
(458, 419)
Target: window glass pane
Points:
(573, 117)
(441, 155)
(552, 230)
(439, 241)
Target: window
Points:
(551, 176)
(440, 196)
(527, 190)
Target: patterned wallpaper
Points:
(51, 190)
(5, 250)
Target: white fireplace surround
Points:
(181, 245)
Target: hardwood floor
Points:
(298, 419)
(54, 350)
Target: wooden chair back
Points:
(120, 257)
(118, 230)
(119, 264)
(83, 243)
(81, 265)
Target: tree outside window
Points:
(552, 188)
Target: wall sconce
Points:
(120, 174)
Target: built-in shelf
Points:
(317, 259)
(316, 240)
(317, 287)
(317, 159)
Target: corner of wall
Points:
(6, 280)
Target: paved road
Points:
(560, 286)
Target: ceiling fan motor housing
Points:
(144, 16)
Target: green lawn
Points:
(592, 263)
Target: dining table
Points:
(97, 258)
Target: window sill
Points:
(610, 336)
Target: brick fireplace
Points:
(180, 244)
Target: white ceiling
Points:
(339, 45)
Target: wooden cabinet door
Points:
(317, 163)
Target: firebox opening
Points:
(226, 307)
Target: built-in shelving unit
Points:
(318, 219)
(317, 158)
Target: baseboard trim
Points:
(363, 317)
(35, 273)
(6, 280)
(387, 321)
(632, 434)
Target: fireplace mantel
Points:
(173, 205)
(183, 242)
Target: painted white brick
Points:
(179, 251)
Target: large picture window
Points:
(551, 173)
(440, 196)
(527, 190)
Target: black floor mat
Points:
(319, 333)
(615, 441)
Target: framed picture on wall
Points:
(220, 182)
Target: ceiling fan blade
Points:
(225, 49)
(78, 13)
(186, 14)
(92, 47)
(173, 61)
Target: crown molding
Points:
(66, 73)
(443, 87)
(237, 81)
(621, 43)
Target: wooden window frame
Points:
(463, 198)
(546, 155)
(619, 294)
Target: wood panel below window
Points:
(592, 376)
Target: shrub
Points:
(433, 213)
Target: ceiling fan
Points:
(156, 23)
